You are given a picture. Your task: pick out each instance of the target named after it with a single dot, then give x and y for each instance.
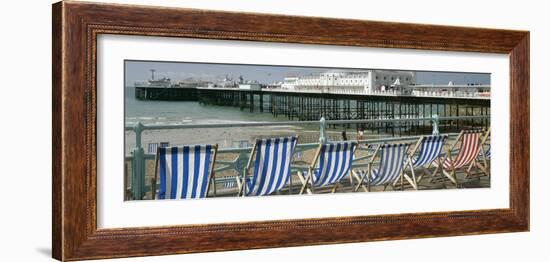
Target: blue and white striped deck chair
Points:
(485, 151)
(152, 147)
(185, 172)
(331, 163)
(488, 157)
(392, 162)
(488, 152)
(272, 158)
(429, 150)
(230, 183)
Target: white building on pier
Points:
(452, 90)
(364, 81)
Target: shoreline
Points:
(236, 137)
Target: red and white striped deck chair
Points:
(470, 142)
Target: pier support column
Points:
(261, 102)
(251, 95)
(242, 100)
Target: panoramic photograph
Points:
(207, 130)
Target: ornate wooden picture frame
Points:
(76, 27)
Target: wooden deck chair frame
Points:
(404, 176)
(452, 174)
(307, 182)
(425, 170)
(241, 182)
(361, 177)
(487, 162)
(211, 175)
(484, 165)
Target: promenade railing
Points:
(137, 157)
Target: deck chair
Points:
(470, 146)
(185, 171)
(331, 163)
(393, 158)
(271, 166)
(230, 182)
(429, 150)
(483, 158)
(488, 153)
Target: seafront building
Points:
(352, 82)
(452, 90)
(365, 81)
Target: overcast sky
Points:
(139, 71)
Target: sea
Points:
(150, 112)
(186, 112)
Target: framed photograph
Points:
(180, 130)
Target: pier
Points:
(311, 105)
(166, 94)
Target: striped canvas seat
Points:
(392, 159)
(469, 144)
(271, 165)
(487, 152)
(185, 171)
(334, 163)
(152, 147)
(227, 182)
(430, 149)
(230, 182)
(482, 161)
(469, 150)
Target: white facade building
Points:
(250, 86)
(365, 81)
(452, 90)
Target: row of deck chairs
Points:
(185, 172)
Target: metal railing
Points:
(138, 155)
(359, 90)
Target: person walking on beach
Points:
(360, 134)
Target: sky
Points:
(177, 71)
